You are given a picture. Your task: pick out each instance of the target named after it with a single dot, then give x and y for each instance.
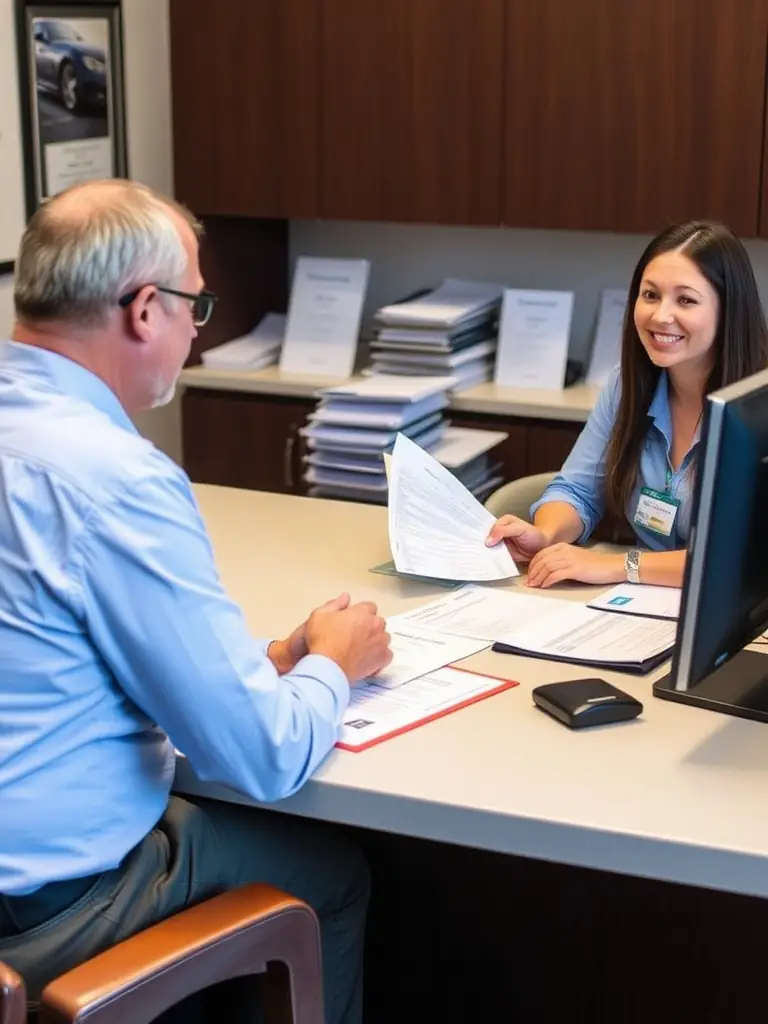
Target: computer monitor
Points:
(725, 589)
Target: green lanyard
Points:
(668, 484)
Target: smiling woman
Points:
(694, 323)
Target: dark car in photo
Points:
(69, 67)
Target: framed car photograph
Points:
(72, 96)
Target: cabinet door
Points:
(550, 444)
(511, 453)
(245, 106)
(240, 440)
(411, 108)
(624, 115)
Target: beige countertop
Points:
(679, 794)
(570, 404)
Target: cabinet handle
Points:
(290, 443)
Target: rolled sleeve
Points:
(581, 481)
(180, 649)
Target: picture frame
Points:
(72, 94)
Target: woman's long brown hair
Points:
(740, 346)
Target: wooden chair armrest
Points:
(225, 937)
(13, 998)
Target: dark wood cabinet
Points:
(411, 94)
(533, 445)
(608, 115)
(624, 116)
(245, 106)
(239, 440)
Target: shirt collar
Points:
(658, 410)
(57, 373)
(660, 413)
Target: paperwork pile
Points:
(449, 330)
(255, 350)
(355, 425)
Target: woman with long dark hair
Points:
(694, 323)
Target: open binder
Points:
(642, 667)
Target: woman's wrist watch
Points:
(632, 565)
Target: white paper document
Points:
(375, 713)
(349, 438)
(534, 330)
(576, 633)
(418, 651)
(606, 349)
(324, 315)
(641, 599)
(259, 348)
(453, 302)
(480, 612)
(390, 415)
(383, 388)
(436, 526)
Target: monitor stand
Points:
(739, 687)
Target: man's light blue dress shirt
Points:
(116, 634)
(581, 481)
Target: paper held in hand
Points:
(436, 526)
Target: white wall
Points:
(150, 147)
(407, 257)
(6, 305)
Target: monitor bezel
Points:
(714, 421)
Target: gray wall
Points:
(406, 257)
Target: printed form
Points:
(436, 526)
(375, 713)
(418, 651)
(546, 626)
(479, 612)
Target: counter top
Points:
(678, 794)
(571, 404)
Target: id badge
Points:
(656, 511)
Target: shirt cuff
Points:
(321, 669)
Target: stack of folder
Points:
(451, 329)
(355, 425)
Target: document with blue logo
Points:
(640, 599)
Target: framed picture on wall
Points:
(72, 95)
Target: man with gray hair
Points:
(118, 641)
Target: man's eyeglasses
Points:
(202, 302)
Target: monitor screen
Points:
(725, 591)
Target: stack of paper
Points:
(255, 350)
(354, 426)
(546, 627)
(449, 330)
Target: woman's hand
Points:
(523, 539)
(567, 562)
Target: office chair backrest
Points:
(516, 498)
